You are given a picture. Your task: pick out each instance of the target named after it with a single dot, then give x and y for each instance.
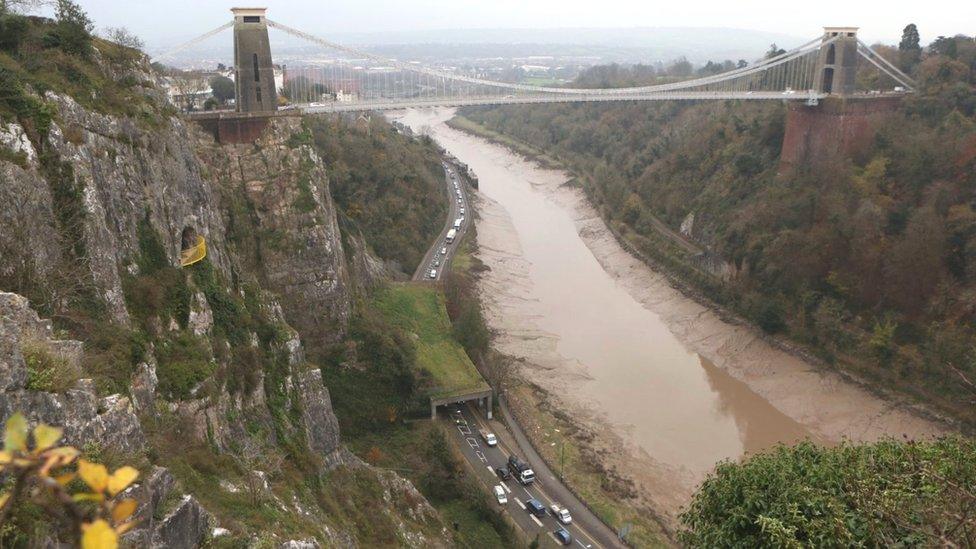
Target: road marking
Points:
(465, 430)
(582, 544)
(527, 491)
(481, 457)
(505, 486)
(490, 470)
(472, 442)
(537, 521)
(517, 500)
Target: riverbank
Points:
(708, 390)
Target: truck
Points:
(457, 223)
(450, 235)
(521, 471)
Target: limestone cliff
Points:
(201, 369)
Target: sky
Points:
(168, 22)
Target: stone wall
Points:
(836, 128)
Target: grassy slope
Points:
(420, 310)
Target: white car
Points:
(561, 513)
(462, 211)
(444, 250)
(433, 273)
(500, 494)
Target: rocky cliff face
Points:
(83, 204)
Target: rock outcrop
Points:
(110, 422)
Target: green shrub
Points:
(886, 494)
(184, 362)
(13, 29)
(47, 370)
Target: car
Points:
(488, 437)
(433, 273)
(503, 473)
(535, 507)
(444, 250)
(459, 200)
(561, 513)
(436, 263)
(500, 494)
(563, 536)
(462, 211)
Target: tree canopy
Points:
(887, 494)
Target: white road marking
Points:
(490, 470)
(505, 486)
(537, 521)
(527, 491)
(465, 430)
(517, 500)
(481, 457)
(472, 442)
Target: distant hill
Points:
(627, 45)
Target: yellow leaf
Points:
(95, 475)
(3, 499)
(121, 479)
(15, 435)
(99, 535)
(123, 528)
(64, 479)
(58, 457)
(87, 497)
(123, 510)
(5, 457)
(45, 436)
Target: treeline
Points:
(870, 262)
(388, 186)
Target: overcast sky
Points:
(166, 22)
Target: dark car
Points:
(503, 473)
(563, 536)
(536, 508)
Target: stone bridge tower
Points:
(837, 65)
(253, 69)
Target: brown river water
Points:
(669, 385)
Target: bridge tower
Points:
(837, 64)
(253, 69)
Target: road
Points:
(434, 254)
(586, 528)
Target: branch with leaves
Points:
(85, 493)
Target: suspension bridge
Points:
(349, 79)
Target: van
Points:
(533, 506)
(500, 494)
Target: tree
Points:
(774, 50)
(72, 33)
(909, 49)
(885, 494)
(20, 6)
(223, 89)
(122, 37)
(186, 85)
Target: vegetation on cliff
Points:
(869, 261)
(389, 187)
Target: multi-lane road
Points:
(441, 252)
(587, 531)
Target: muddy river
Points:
(672, 386)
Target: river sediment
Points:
(668, 386)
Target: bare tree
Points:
(22, 6)
(186, 85)
(122, 37)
